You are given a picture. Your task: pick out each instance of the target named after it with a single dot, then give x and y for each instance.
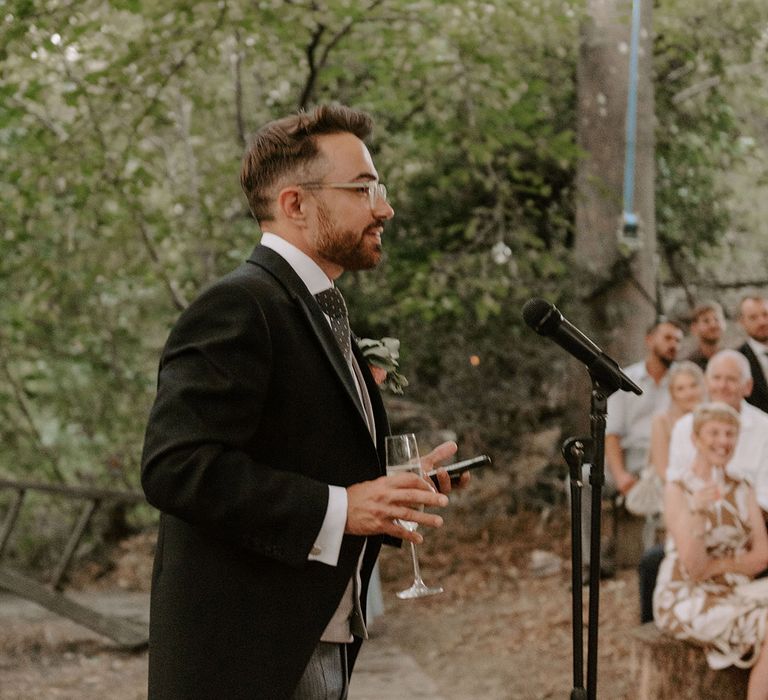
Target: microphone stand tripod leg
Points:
(573, 452)
(599, 406)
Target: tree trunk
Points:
(622, 283)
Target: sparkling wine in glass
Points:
(403, 456)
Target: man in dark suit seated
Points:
(265, 446)
(753, 317)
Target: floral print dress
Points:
(729, 626)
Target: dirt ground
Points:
(501, 630)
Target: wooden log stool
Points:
(665, 668)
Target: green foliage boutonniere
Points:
(383, 356)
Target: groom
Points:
(264, 447)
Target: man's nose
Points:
(383, 209)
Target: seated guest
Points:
(753, 317)
(628, 425)
(728, 379)
(707, 327)
(716, 540)
(686, 390)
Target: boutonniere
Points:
(383, 357)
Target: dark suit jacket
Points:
(759, 395)
(256, 413)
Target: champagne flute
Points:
(403, 456)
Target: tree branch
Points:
(715, 80)
(44, 119)
(309, 84)
(176, 295)
(316, 67)
(736, 284)
(680, 278)
(26, 411)
(175, 68)
(239, 93)
(95, 123)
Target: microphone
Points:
(546, 320)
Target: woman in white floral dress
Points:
(716, 540)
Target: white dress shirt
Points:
(328, 543)
(750, 458)
(629, 416)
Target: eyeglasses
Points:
(375, 190)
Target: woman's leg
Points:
(758, 677)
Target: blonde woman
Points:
(686, 391)
(716, 541)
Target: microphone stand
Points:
(573, 451)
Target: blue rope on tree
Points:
(630, 222)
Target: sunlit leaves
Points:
(121, 130)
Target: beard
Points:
(666, 361)
(352, 250)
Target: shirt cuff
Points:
(328, 543)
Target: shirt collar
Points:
(747, 413)
(307, 269)
(645, 376)
(758, 348)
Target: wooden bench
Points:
(665, 668)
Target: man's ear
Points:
(291, 203)
(648, 341)
(747, 388)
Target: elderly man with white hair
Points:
(728, 379)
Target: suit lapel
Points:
(760, 386)
(377, 404)
(287, 277)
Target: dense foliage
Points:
(709, 75)
(121, 130)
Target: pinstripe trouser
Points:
(325, 677)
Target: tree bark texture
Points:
(622, 283)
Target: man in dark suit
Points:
(264, 448)
(753, 317)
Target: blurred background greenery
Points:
(122, 125)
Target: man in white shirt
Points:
(628, 424)
(753, 317)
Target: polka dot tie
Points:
(332, 304)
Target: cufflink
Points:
(316, 551)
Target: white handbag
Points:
(646, 496)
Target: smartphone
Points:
(458, 468)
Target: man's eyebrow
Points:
(366, 176)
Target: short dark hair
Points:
(658, 321)
(748, 297)
(286, 146)
(705, 306)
